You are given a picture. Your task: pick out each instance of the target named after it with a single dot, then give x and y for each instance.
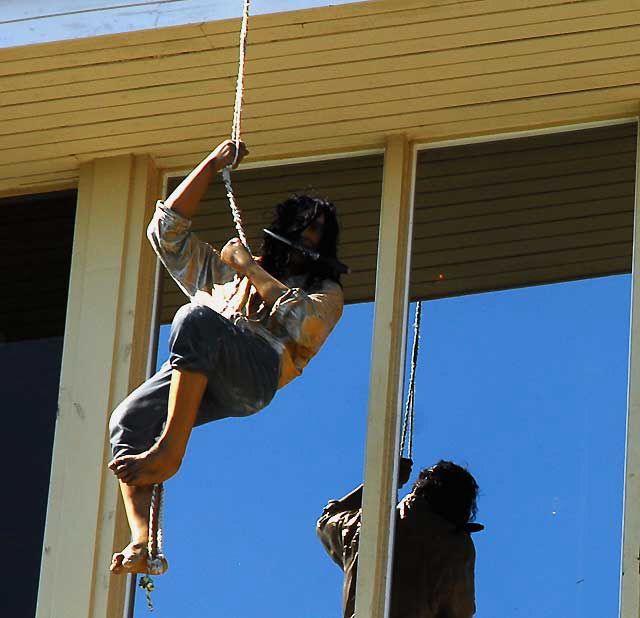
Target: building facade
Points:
(440, 121)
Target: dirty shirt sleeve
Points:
(336, 529)
(305, 319)
(192, 263)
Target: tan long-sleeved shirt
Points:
(433, 566)
(296, 325)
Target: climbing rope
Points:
(235, 128)
(156, 561)
(155, 557)
(407, 425)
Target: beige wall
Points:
(103, 113)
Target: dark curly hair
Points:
(293, 216)
(450, 490)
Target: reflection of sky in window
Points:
(526, 387)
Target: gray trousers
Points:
(242, 370)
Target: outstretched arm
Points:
(338, 524)
(187, 195)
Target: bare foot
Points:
(153, 466)
(133, 559)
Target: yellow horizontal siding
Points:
(201, 75)
(324, 80)
(369, 10)
(479, 88)
(211, 64)
(335, 28)
(134, 135)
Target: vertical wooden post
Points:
(630, 581)
(387, 379)
(104, 357)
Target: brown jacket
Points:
(433, 572)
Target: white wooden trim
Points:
(630, 578)
(104, 356)
(386, 381)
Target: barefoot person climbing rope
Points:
(251, 327)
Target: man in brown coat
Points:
(434, 556)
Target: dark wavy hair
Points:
(450, 490)
(293, 216)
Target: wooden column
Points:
(630, 582)
(387, 379)
(104, 357)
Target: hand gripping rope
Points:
(155, 558)
(235, 129)
(407, 425)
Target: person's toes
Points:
(120, 472)
(116, 563)
(125, 471)
(134, 556)
(117, 466)
(125, 459)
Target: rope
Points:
(235, 128)
(409, 415)
(155, 556)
